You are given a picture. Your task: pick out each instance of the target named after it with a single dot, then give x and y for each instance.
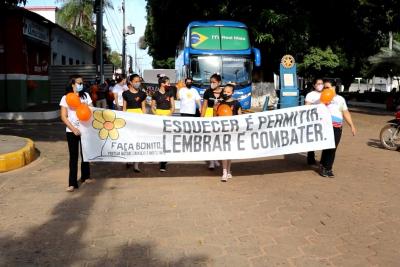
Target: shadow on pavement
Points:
(290, 163)
(375, 143)
(58, 241)
(143, 255)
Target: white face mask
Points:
(214, 85)
(319, 87)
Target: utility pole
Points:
(390, 82)
(123, 39)
(99, 39)
(135, 59)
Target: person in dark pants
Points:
(70, 119)
(339, 111)
(328, 155)
(163, 104)
(134, 102)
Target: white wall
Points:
(64, 44)
(377, 83)
(48, 14)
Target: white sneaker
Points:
(224, 178)
(229, 176)
(211, 166)
(216, 162)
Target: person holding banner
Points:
(210, 99)
(163, 104)
(339, 111)
(134, 102)
(134, 98)
(70, 119)
(312, 98)
(236, 108)
(190, 99)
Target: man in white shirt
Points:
(189, 98)
(312, 98)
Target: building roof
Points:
(210, 23)
(42, 8)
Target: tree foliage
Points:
(116, 59)
(353, 29)
(319, 62)
(386, 62)
(77, 16)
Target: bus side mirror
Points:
(257, 57)
(186, 60)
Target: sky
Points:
(135, 14)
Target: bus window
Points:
(203, 67)
(236, 70)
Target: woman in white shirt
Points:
(70, 119)
(118, 89)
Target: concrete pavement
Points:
(274, 212)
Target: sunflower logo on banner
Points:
(108, 124)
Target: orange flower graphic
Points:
(107, 123)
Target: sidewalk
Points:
(15, 152)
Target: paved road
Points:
(275, 212)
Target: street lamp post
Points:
(99, 39)
(125, 31)
(123, 39)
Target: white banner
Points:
(128, 137)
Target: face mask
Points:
(226, 97)
(136, 85)
(319, 87)
(214, 85)
(188, 85)
(79, 87)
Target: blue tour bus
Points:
(222, 47)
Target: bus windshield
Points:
(233, 69)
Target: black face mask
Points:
(188, 85)
(226, 97)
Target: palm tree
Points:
(387, 61)
(77, 16)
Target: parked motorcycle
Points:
(390, 133)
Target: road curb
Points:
(19, 158)
(23, 116)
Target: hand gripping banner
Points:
(117, 136)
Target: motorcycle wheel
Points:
(390, 137)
